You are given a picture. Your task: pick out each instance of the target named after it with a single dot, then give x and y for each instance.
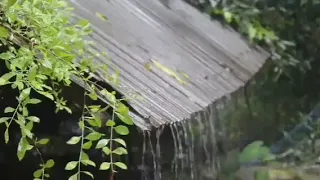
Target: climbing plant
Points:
(45, 48)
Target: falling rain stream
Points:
(184, 150)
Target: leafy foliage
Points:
(254, 152)
(44, 51)
(289, 29)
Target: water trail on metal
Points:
(191, 150)
(153, 157)
(158, 152)
(143, 177)
(211, 118)
(180, 154)
(174, 164)
(203, 136)
(186, 141)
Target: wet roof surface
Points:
(213, 60)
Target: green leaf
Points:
(6, 77)
(49, 163)
(94, 136)
(26, 132)
(4, 119)
(71, 165)
(125, 118)
(23, 147)
(34, 101)
(4, 33)
(46, 94)
(110, 123)
(11, 2)
(88, 173)
(2, 82)
(37, 173)
(93, 95)
(9, 110)
(87, 145)
(29, 125)
(121, 165)
(43, 141)
(254, 152)
(32, 73)
(20, 85)
(104, 166)
(74, 140)
(34, 119)
(25, 93)
(6, 56)
(101, 16)
(120, 151)
(122, 130)
(98, 121)
(88, 162)
(47, 63)
(92, 123)
(83, 23)
(228, 16)
(6, 136)
(73, 177)
(252, 32)
(25, 111)
(102, 143)
(123, 109)
(109, 96)
(106, 150)
(120, 141)
(84, 156)
(95, 108)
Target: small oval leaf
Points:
(49, 163)
(104, 166)
(106, 150)
(88, 162)
(73, 177)
(94, 136)
(102, 143)
(43, 141)
(120, 151)
(122, 130)
(9, 110)
(37, 173)
(74, 140)
(110, 123)
(4, 119)
(34, 101)
(121, 141)
(71, 165)
(121, 165)
(34, 119)
(88, 173)
(87, 145)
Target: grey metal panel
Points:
(216, 59)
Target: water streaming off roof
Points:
(186, 150)
(180, 64)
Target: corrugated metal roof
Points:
(216, 60)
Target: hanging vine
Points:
(44, 49)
